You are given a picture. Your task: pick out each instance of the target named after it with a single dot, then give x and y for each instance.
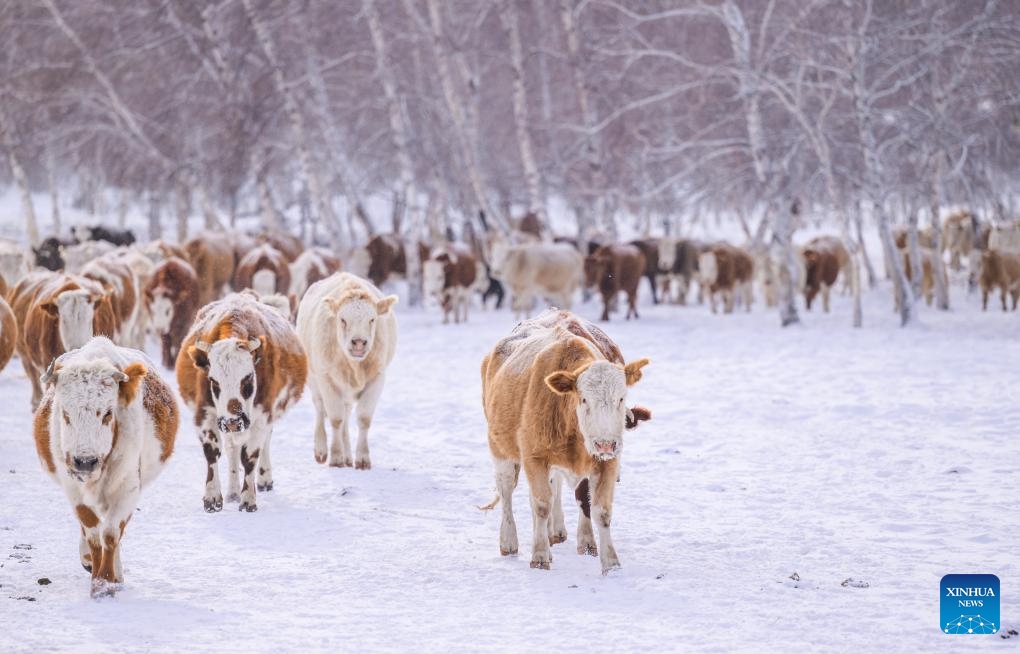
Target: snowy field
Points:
(883, 456)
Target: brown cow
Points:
(1002, 270)
(650, 248)
(211, 254)
(287, 244)
(727, 270)
(265, 270)
(554, 395)
(615, 268)
(824, 258)
(171, 300)
(8, 333)
(448, 276)
(56, 313)
(386, 256)
(313, 264)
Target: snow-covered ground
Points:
(881, 455)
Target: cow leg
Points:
(233, 459)
(603, 482)
(507, 473)
(250, 453)
(265, 478)
(84, 553)
(110, 573)
(655, 292)
(340, 448)
(1002, 296)
(606, 301)
(557, 524)
(585, 535)
(212, 499)
(168, 358)
(541, 504)
(825, 298)
(984, 299)
(1015, 294)
(366, 409)
(320, 427)
(748, 295)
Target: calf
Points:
(615, 268)
(104, 431)
(264, 270)
(448, 276)
(554, 395)
(1000, 270)
(350, 332)
(171, 301)
(239, 369)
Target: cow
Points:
(311, 265)
(1005, 237)
(47, 253)
(349, 330)
(8, 333)
(615, 268)
(959, 236)
(678, 262)
(104, 431)
(102, 233)
(728, 271)
(824, 258)
(287, 244)
(449, 276)
(15, 262)
(264, 270)
(927, 274)
(171, 299)
(585, 247)
(211, 254)
(56, 313)
(1000, 270)
(554, 394)
(142, 267)
(77, 256)
(239, 369)
(650, 248)
(529, 223)
(119, 283)
(552, 270)
(159, 251)
(386, 257)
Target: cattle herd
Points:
(246, 321)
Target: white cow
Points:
(348, 329)
(103, 431)
(551, 270)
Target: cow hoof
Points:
(590, 550)
(249, 507)
(363, 465)
(341, 463)
(541, 564)
(102, 588)
(606, 569)
(212, 505)
(555, 538)
(233, 497)
(262, 488)
(508, 552)
(320, 458)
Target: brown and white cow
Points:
(554, 393)
(678, 264)
(119, 283)
(104, 431)
(615, 268)
(287, 244)
(56, 313)
(1005, 237)
(211, 254)
(1000, 270)
(8, 333)
(386, 257)
(650, 248)
(349, 330)
(265, 270)
(824, 258)
(959, 237)
(449, 277)
(239, 369)
(171, 301)
(550, 270)
(312, 265)
(728, 271)
(77, 256)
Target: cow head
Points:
(230, 366)
(599, 391)
(434, 277)
(161, 310)
(86, 405)
(595, 266)
(667, 253)
(74, 309)
(498, 251)
(356, 322)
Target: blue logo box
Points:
(969, 604)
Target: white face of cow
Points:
(499, 250)
(86, 399)
(356, 321)
(230, 364)
(75, 310)
(433, 280)
(600, 391)
(667, 254)
(263, 282)
(161, 312)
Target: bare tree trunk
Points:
(269, 217)
(536, 199)
(181, 209)
(155, 223)
(51, 179)
(938, 264)
(209, 217)
(914, 253)
(782, 234)
(122, 208)
(859, 228)
(25, 191)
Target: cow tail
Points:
(491, 505)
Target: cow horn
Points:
(202, 346)
(254, 344)
(120, 376)
(48, 375)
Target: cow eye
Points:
(248, 386)
(584, 400)
(214, 386)
(107, 416)
(343, 323)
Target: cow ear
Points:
(633, 370)
(636, 416)
(135, 372)
(258, 350)
(562, 382)
(51, 308)
(198, 357)
(332, 303)
(385, 304)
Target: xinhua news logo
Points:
(970, 604)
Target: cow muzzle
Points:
(358, 348)
(606, 450)
(233, 425)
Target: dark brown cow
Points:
(1000, 270)
(529, 223)
(387, 257)
(824, 257)
(449, 276)
(264, 270)
(171, 297)
(615, 268)
(650, 248)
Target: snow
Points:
(881, 456)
